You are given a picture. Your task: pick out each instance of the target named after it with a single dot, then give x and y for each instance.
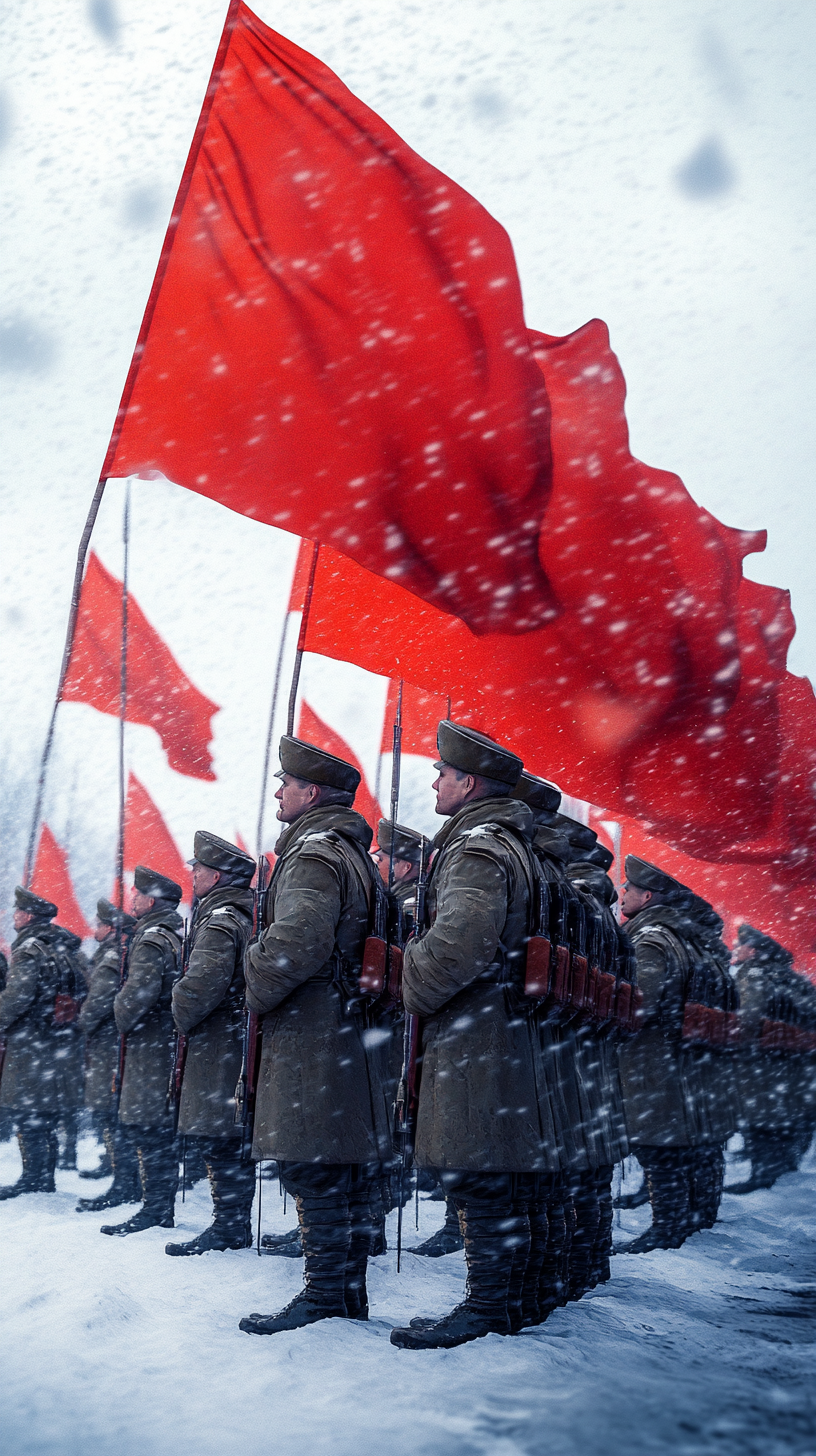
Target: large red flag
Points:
(421, 713)
(148, 840)
(52, 880)
(313, 730)
(159, 693)
(335, 343)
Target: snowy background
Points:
(653, 164)
(110, 1348)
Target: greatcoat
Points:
(143, 1014)
(42, 1070)
(97, 1022)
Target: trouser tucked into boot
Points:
(156, 1151)
(37, 1138)
(232, 1183)
(334, 1214)
(493, 1212)
(706, 1184)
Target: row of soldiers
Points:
(529, 1090)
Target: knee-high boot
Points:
(668, 1173)
(493, 1236)
(126, 1186)
(325, 1228)
(38, 1148)
(587, 1219)
(600, 1271)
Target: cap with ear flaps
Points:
(474, 753)
(314, 766)
(34, 904)
(219, 854)
(407, 842)
(538, 793)
(646, 876)
(150, 882)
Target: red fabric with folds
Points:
(312, 729)
(148, 840)
(335, 344)
(159, 693)
(52, 880)
(421, 713)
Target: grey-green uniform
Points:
(96, 1020)
(679, 1102)
(143, 1014)
(777, 1089)
(322, 1107)
(482, 1120)
(42, 1067)
(208, 1010)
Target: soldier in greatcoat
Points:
(480, 1122)
(777, 1087)
(113, 933)
(143, 1014)
(679, 1108)
(322, 1109)
(42, 1067)
(208, 1010)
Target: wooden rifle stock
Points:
(246, 1091)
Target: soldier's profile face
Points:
(452, 789)
(294, 798)
(102, 931)
(741, 953)
(142, 904)
(634, 899)
(204, 879)
(22, 918)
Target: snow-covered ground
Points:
(108, 1346)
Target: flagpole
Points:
(70, 633)
(269, 731)
(396, 765)
(120, 845)
(301, 644)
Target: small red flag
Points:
(52, 880)
(148, 840)
(312, 729)
(159, 693)
(335, 343)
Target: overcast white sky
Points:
(653, 164)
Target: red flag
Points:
(335, 343)
(149, 842)
(159, 693)
(313, 730)
(52, 880)
(421, 713)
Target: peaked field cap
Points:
(219, 854)
(647, 876)
(768, 948)
(407, 842)
(150, 882)
(579, 835)
(109, 914)
(474, 753)
(599, 855)
(314, 766)
(538, 793)
(34, 904)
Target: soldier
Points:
(480, 1120)
(114, 929)
(777, 1092)
(321, 1108)
(208, 1009)
(677, 1114)
(142, 1010)
(41, 1075)
(599, 1065)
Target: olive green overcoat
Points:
(482, 1102)
(97, 1022)
(143, 1014)
(42, 1069)
(322, 1088)
(208, 1007)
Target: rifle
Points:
(407, 1099)
(247, 1088)
(179, 1045)
(119, 1069)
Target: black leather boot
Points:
(326, 1231)
(492, 1237)
(158, 1167)
(531, 1311)
(38, 1149)
(233, 1188)
(284, 1246)
(667, 1171)
(365, 1209)
(600, 1271)
(446, 1240)
(706, 1172)
(551, 1284)
(126, 1186)
(67, 1156)
(587, 1215)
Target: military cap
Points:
(594, 879)
(599, 855)
(474, 753)
(407, 842)
(108, 914)
(150, 882)
(766, 948)
(579, 835)
(219, 854)
(34, 904)
(315, 766)
(647, 876)
(538, 793)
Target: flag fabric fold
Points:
(335, 344)
(159, 693)
(314, 730)
(52, 880)
(148, 840)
